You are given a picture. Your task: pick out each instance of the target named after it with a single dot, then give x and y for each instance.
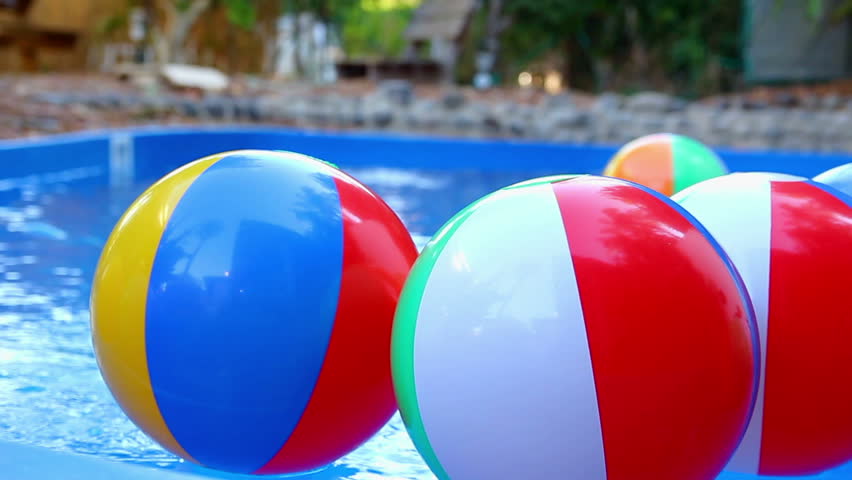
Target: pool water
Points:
(51, 392)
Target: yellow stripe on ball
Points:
(120, 290)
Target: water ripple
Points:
(51, 391)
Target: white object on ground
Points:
(194, 76)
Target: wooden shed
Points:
(50, 34)
(441, 24)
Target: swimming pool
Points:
(59, 199)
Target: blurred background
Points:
(751, 74)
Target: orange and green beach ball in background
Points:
(665, 162)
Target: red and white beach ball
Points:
(574, 328)
(791, 240)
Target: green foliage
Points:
(367, 27)
(466, 64)
(370, 31)
(817, 8)
(843, 10)
(678, 40)
(241, 13)
(328, 10)
(112, 24)
(576, 32)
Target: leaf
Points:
(842, 11)
(241, 13)
(182, 5)
(112, 24)
(368, 31)
(815, 9)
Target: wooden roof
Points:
(440, 18)
(20, 7)
(67, 16)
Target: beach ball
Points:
(838, 177)
(242, 311)
(790, 239)
(665, 162)
(578, 328)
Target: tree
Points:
(367, 30)
(649, 44)
(181, 15)
(496, 22)
(817, 9)
(580, 30)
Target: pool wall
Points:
(115, 155)
(118, 157)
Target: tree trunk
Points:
(495, 24)
(149, 10)
(233, 51)
(568, 52)
(180, 24)
(323, 12)
(579, 67)
(298, 63)
(639, 56)
(268, 28)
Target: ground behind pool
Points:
(60, 198)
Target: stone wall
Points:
(825, 124)
(822, 124)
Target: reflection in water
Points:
(51, 392)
